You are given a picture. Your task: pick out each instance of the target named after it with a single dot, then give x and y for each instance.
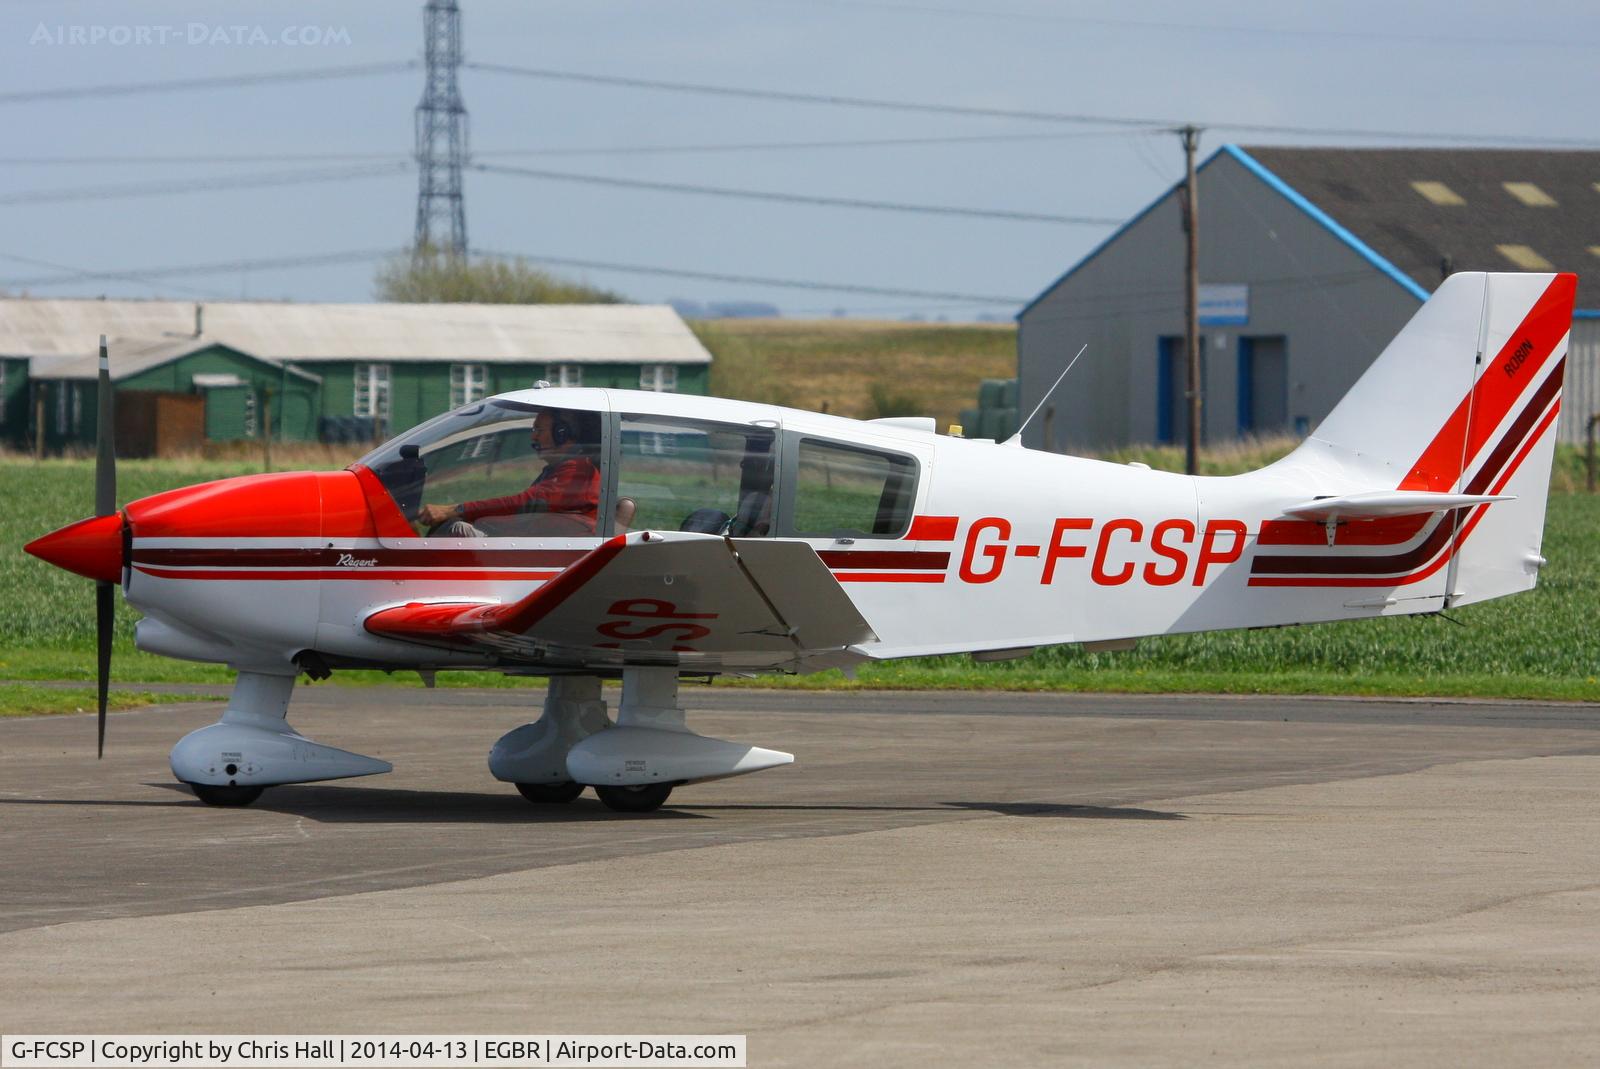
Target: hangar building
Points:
(341, 372)
(1311, 260)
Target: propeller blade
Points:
(105, 504)
(105, 460)
(105, 606)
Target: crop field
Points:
(1540, 645)
(856, 369)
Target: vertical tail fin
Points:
(1464, 400)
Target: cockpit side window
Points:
(497, 469)
(692, 475)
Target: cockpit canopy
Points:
(639, 471)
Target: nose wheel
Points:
(211, 794)
(646, 798)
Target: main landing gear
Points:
(253, 747)
(550, 793)
(634, 763)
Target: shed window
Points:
(468, 383)
(847, 491)
(565, 374)
(372, 391)
(659, 378)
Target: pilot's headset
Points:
(561, 431)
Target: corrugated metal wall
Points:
(1332, 309)
(1580, 394)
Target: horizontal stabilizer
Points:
(1376, 504)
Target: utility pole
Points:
(266, 428)
(1191, 299)
(38, 421)
(441, 149)
(1589, 460)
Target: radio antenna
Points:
(1017, 438)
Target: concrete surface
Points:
(942, 879)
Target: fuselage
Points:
(990, 546)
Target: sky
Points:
(1471, 69)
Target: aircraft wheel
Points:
(229, 796)
(550, 792)
(642, 799)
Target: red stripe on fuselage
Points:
(889, 577)
(933, 529)
(1391, 531)
(1477, 514)
(339, 575)
(885, 559)
(312, 557)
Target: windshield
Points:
(499, 468)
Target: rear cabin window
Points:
(847, 491)
(688, 475)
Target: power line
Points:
(207, 184)
(790, 146)
(814, 98)
(757, 280)
(1001, 14)
(1171, 125)
(32, 96)
(614, 150)
(249, 157)
(215, 267)
(798, 198)
(78, 274)
(256, 181)
(369, 255)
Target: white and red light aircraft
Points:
(700, 536)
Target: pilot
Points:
(567, 490)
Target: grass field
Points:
(855, 369)
(24, 700)
(1540, 645)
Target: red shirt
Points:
(571, 485)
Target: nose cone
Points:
(91, 547)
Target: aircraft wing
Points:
(653, 598)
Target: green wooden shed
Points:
(338, 372)
(245, 396)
